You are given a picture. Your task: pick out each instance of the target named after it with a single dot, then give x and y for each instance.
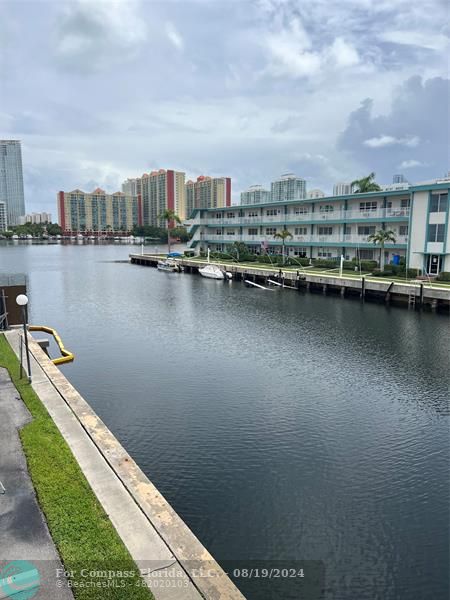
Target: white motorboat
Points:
(214, 272)
(169, 266)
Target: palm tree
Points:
(283, 236)
(170, 217)
(381, 237)
(365, 184)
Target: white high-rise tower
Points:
(11, 180)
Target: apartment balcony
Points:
(363, 239)
(306, 239)
(314, 217)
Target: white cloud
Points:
(292, 53)
(289, 51)
(174, 36)
(343, 53)
(388, 140)
(94, 35)
(410, 164)
(431, 40)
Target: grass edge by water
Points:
(80, 528)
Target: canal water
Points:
(283, 427)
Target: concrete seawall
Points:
(158, 540)
(415, 294)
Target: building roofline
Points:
(356, 196)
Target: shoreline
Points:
(146, 523)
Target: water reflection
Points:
(279, 425)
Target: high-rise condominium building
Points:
(36, 218)
(207, 192)
(132, 187)
(316, 194)
(342, 189)
(3, 219)
(98, 211)
(255, 194)
(159, 191)
(288, 187)
(399, 178)
(11, 180)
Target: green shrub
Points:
(265, 258)
(322, 263)
(295, 260)
(388, 272)
(349, 265)
(368, 265)
(414, 273)
(443, 276)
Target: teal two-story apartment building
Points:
(337, 226)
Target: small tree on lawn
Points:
(283, 236)
(380, 238)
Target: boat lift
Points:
(261, 287)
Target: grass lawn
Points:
(79, 526)
(323, 271)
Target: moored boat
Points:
(214, 272)
(169, 266)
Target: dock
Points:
(416, 294)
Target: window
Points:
(301, 231)
(403, 230)
(436, 233)
(365, 254)
(300, 252)
(326, 208)
(252, 231)
(218, 232)
(253, 213)
(218, 215)
(325, 231)
(301, 210)
(405, 202)
(366, 229)
(231, 215)
(367, 206)
(271, 230)
(439, 202)
(347, 230)
(272, 212)
(324, 253)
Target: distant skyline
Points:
(101, 91)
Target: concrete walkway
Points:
(157, 539)
(23, 531)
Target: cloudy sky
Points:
(329, 89)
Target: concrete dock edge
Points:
(149, 527)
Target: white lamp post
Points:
(22, 301)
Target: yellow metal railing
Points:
(66, 355)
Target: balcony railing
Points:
(322, 239)
(335, 215)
